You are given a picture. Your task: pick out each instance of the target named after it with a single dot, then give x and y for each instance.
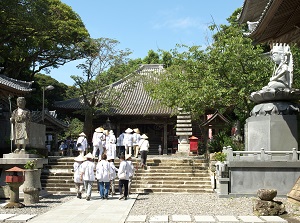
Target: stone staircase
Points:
(163, 175)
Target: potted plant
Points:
(30, 165)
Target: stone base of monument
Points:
(271, 132)
(266, 206)
(10, 160)
(184, 148)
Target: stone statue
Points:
(20, 120)
(279, 87)
(283, 71)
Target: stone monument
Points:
(183, 131)
(24, 133)
(20, 120)
(272, 124)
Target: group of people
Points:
(86, 172)
(132, 142)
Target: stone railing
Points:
(261, 155)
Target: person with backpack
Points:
(103, 176)
(77, 168)
(123, 175)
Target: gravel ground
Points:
(45, 204)
(170, 204)
(203, 204)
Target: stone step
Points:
(178, 175)
(69, 190)
(152, 168)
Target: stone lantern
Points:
(14, 178)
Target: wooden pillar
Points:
(165, 148)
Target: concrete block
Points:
(181, 218)
(159, 218)
(136, 218)
(204, 218)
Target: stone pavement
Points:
(114, 210)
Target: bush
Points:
(223, 140)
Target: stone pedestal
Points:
(14, 201)
(271, 132)
(222, 187)
(10, 160)
(184, 148)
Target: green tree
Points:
(38, 35)
(220, 77)
(91, 84)
(152, 58)
(74, 129)
(34, 102)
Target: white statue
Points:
(283, 71)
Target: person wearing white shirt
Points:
(77, 168)
(103, 176)
(113, 170)
(87, 174)
(144, 148)
(111, 147)
(82, 144)
(97, 141)
(120, 144)
(131, 173)
(123, 175)
(136, 139)
(128, 141)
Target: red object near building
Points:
(14, 175)
(193, 144)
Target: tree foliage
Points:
(36, 99)
(38, 35)
(95, 78)
(220, 77)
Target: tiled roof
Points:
(213, 117)
(135, 101)
(36, 116)
(11, 84)
(277, 20)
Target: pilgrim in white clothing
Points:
(111, 147)
(82, 144)
(103, 176)
(128, 141)
(97, 141)
(77, 168)
(136, 139)
(88, 175)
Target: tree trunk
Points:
(88, 124)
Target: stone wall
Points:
(248, 177)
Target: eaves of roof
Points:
(279, 21)
(14, 85)
(36, 116)
(214, 116)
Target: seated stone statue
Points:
(283, 71)
(20, 119)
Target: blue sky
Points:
(141, 25)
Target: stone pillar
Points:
(14, 201)
(32, 186)
(183, 131)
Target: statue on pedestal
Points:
(20, 120)
(283, 70)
